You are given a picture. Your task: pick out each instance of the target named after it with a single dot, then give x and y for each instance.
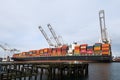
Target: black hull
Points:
(68, 58)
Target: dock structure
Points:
(35, 70)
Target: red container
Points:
(64, 52)
(64, 47)
(83, 51)
(89, 51)
(84, 45)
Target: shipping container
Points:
(83, 51)
(105, 49)
(59, 51)
(84, 45)
(105, 45)
(65, 47)
(98, 52)
(98, 44)
(77, 49)
(90, 52)
(16, 55)
(45, 50)
(41, 51)
(105, 52)
(97, 48)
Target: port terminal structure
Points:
(36, 70)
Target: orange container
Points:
(77, 47)
(15, 55)
(97, 48)
(76, 51)
(38, 52)
(45, 50)
(105, 49)
(105, 45)
(105, 52)
(41, 51)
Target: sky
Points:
(74, 20)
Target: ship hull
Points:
(68, 58)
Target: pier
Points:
(34, 70)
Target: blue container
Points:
(89, 47)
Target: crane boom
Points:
(6, 49)
(46, 37)
(104, 37)
(54, 35)
(3, 48)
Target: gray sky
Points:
(74, 20)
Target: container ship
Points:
(100, 51)
(97, 52)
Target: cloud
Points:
(74, 20)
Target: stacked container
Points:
(54, 52)
(16, 55)
(50, 51)
(105, 49)
(90, 50)
(59, 51)
(83, 49)
(77, 50)
(33, 53)
(97, 48)
(45, 51)
(64, 50)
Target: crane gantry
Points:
(104, 36)
(54, 35)
(58, 42)
(45, 35)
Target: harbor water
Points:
(97, 71)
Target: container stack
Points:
(50, 51)
(83, 49)
(54, 52)
(90, 50)
(97, 48)
(77, 50)
(59, 51)
(64, 50)
(45, 51)
(105, 49)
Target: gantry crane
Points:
(54, 35)
(6, 49)
(7, 57)
(104, 37)
(3, 47)
(45, 35)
